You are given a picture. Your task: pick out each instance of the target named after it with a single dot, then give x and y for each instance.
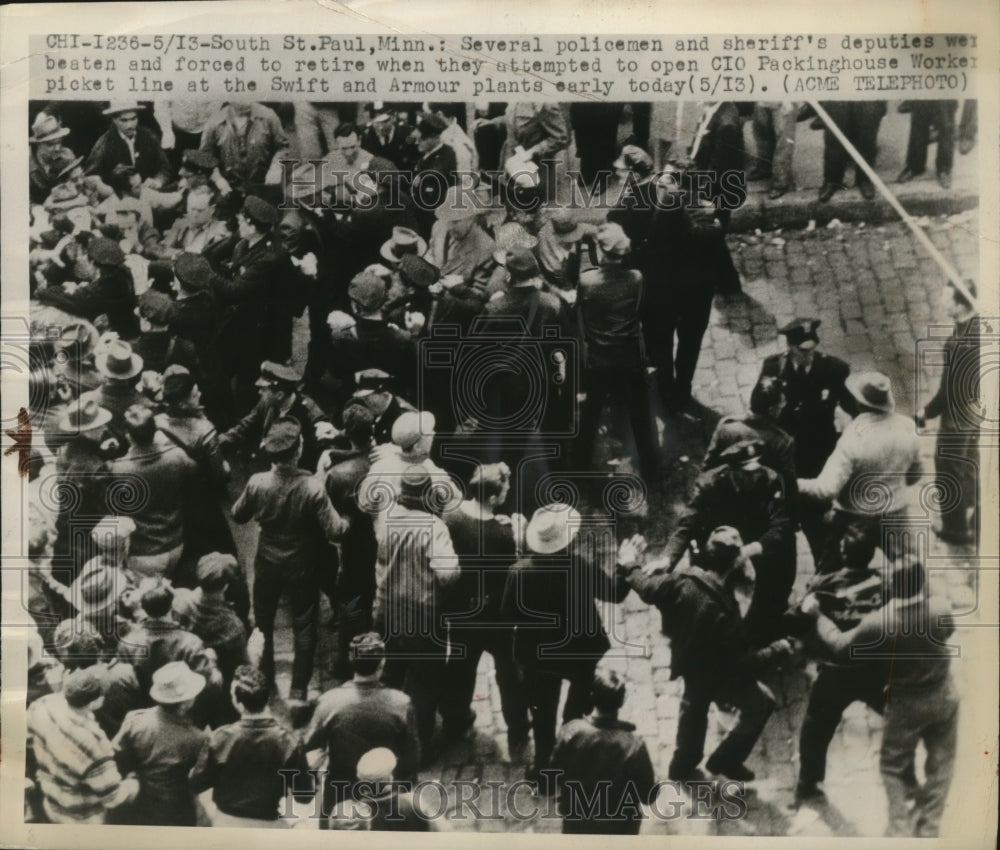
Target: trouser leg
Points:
(956, 466)
(940, 739)
(423, 685)
(513, 701)
(900, 736)
(596, 387)
(691, 327)
(920, 125)
(764, 138)
(578, 699)
(692, 726)
(755, 708)
(305, 614)
(543, 691)
(459, 683)
(866, 121)
(784, 149)
(641, 420)
(267, 589)
(944, 120)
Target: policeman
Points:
(748, 496)
(814, 385)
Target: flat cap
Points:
(431, 124)
(105, 252)
(83, 686)
(367, 645)
(417, 272)
(368, 290)
(742, 452)
(522, 265)
(260, 211)
(200, 160)
(193, 271)
(155, 307)
(282, 436)
(215, 568)
(801, 332)
(410, 426)
(371, 381)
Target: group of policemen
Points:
(420, 474)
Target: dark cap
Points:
(417, 272)
(431, 124)
(283, 436)
(801, 331)
(522, 265)
(742, 452)
(368, 290)
(260, 212)
(367, 645)
(82, 687)
(177, 383)
(278, 375)
(193, 271)
(105, 252)
(215, 569)
(199, 160)
(371, 381)
(155, 307)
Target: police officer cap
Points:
(283, 436)
(278, 375)
(801, 332)
(431, 124)
(260, 212)
(105, 252)
(367, 645)
(193, 271)
(742, 452)
(200, 160)
(371, 381)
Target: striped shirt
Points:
(77, 773)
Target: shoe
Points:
(867, 191)
(816, 123)
(809, 793)
(758, 174)
(460, 731)
(693, 775)
(906, 175)
(517, 746)
(828, 191)
(966, 144)
(776, 192)
(739, 772)
(299, 712)
(944, 178)
(543, 783)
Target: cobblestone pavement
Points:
(875, 291)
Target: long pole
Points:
(950, 271)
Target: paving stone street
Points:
(876, 292)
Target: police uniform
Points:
(812, 397)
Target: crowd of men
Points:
(465, 342)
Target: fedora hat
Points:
(552, 528)
(118, 362)
(873, 390)
(118, 107)
(512, 236)
(46, 128)
(404, 241)
(94, 591)
(176, 682)
(85, 415)
(77, 340)
(565, 228)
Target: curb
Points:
(797, 209)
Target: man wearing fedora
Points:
(956, 403)
(125, 142)
(872, 472)
(160, 746)
(279, 396)
(299, 529)
(551, 600)
(120, 367)
(814, 386)
(47, 143)
(710, 650)
(409, 293)
(435, 170)
(110, 292)
(74, 370)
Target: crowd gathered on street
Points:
(375, 361)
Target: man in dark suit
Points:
(717, 150)
(924, 113)
(814, 386)
(859, 120)
(390, 138)
(595, 130)
(126, 143)
(434, 171)
(956, 455)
